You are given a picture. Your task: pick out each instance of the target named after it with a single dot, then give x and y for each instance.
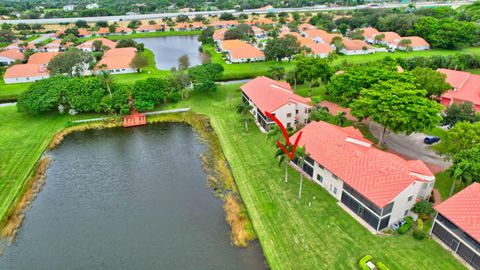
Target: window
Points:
(307, 110)
(406, 212)
(320, 178)
(296, 111)
(289, 115)
(410, 198)
(425, 185)
(334, 190)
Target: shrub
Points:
(423, 208)
(407, 226)
(419, 234)
(363, 262)
(420, 224)
(381, 266)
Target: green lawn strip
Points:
(443, 182)
(44, 42)
(11, 91)
(31, 38)
(474, 71)
(145, 35)
(293, 234)
(23, 140)
(147, 72)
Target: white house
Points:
(414, 43)
(355, 47)
(321, 50)
(9, 56)
(377, 186)
(277, 98)
(92, 6)
(68, 7)
(457, 225)
(239, 51)
(117, 61)
(87, 46)
(25, 73)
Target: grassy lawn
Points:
(444, 182)
(294, 234)
(150, 71)
(147, 35)
(31, 38)
(11, 91)
(23, 140)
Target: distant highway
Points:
(453, 4)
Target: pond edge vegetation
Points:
(215, 165)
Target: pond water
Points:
(167, 50)
(128, 199)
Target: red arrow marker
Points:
(291, 155)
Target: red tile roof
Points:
(320, 48)
(305, 26)
(326, 37)
(219, 34)
(123, 30)
(303, 40)
(369, 32)
(118, 58)
(463, 209)
(379, 176)
(389, 36)
(25, 70)
(105, 42)
(41, 57)
(269, 95)
(149, 27)
(466, 86)
(355, 44)
(416, 41)
(239, 49)
(83, 32)
(12, 54)
(103, 30)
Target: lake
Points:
(168, 49)
(128, 199)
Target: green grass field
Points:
(309, 234)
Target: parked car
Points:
(431, 139)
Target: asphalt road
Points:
(410, 146)
(247, 11)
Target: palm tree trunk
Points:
(382, 136)
(286, 172)
(301, 182)
(452, 188)
(245, 122)
(310, 88)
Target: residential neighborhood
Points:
(240, 135)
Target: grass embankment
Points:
(443, 182)
(250, 70)
(312, 233)
(308, 234)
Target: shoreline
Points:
(219, 176)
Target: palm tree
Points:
(460, 172)
(341, 118)
(276, 72)
(301, 154)
(282, 157)
(273, 132)
(106, 78)
(243, 109)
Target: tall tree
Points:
(139, 61)
(244, 109)
(460, 113)
(280, 48)
(311, 69)
(398, 106)
(73, 62)
(301, 154)
(432, 81)
(466, 166)
(282, 158)
(462, 136)
(183, 62)
(276, 72)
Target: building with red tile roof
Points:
(319, 36)
(56, 46)
(277, 98)
(40, 58)
(239, 51)
(122, 31)
(25, 73)
(258, 32)
(416, 44)
(386, 38)
(382, 185)
(103, 31)
(9, 56)
(18, 45)
(321, 50)
(224, 24)
(457, 224)
(82, 32)
(189, 26)
(305, 26)
(219, 34)
(369, 33)
(355, 46)
(303, 40)
(150, 28)
(466, 88)
(87, 46)
(117, 61)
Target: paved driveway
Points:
(411, 147)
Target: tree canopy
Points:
(397, 106)
(73, 62)
(461, 137)
(432, 81)
(284, 47)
